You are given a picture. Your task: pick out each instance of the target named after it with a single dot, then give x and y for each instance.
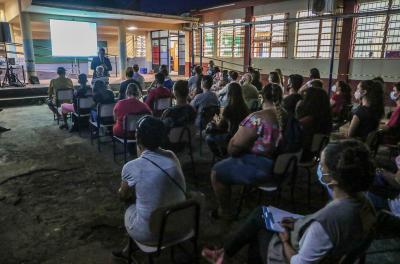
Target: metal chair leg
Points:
(308, 187)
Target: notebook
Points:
(273, 216)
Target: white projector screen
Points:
(73, 39)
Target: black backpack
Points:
(292, 136)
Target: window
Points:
(140, 46)
(314, 37)
(270, 40)
(208, 40)
(230, 39)
(196, 42)
(378, 36)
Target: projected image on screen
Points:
(73, 39)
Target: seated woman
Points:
(233, 114)
(330, 233)
(81, 92)
(367, 116)
(392, 127)
(182, 113)
(256, 76)
(130, 105)
(147, 177)
(314, 114)
(340, 98)
(101, 95)
(252, 149)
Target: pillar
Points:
(122, 49)
(247, 38)
(26, 32)
(346, 41)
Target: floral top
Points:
(268, 135)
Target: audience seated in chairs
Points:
(260, 133)
(342, 227)
(314, 115)
(182, 114)
(194, 82)
(295, 82)
(367, 116)
(101, 95)
(61, 82)
(130, 105)
(129, 79)
(160, 91)
(156, 178)
(250, 93)
(392, 127)
(81, 92)
(219, 134)
(205, 99)
(341, 96)
(222, 94)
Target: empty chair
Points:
(105, 121)
(161, 104)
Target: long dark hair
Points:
(316, 103)
(256, 80)
(346, 91)
(374, 95)
(236, 110)
(272, 92)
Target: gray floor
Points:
(58, 199)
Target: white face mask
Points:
(333, 89)
(394, 96)
(358, 95)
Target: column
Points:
(26, 32)
(122, 49)
(247, 38)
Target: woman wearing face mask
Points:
(367, 116)
(341, 226)
(392, 127)
(340, 97)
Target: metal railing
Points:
(222, 64)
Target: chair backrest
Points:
(208, 113)
(85, 103)
(64, 94)
(105, 110)
(131, 121)
(161, 104)
(182, 134)
(319, 142)
(373, 141)
(172, 223)
(286, 163)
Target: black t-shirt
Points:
(369, 121)
(290, 102)
(104, 97)
(124, 85)
(179, 116)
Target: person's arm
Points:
(392, 179)
(355, 123)
(115, 111)
(150, 99)
(51, 90)
(124, 191)
(242, 141)
(288, 249)
(93, 64)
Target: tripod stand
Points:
(10, 78)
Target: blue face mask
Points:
(321, 180)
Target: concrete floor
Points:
(58, 201)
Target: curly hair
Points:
(349, 163)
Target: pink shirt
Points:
(394, 118)
(156, 93)
(124, 107)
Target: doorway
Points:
(174, 55)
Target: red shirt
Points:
(339, 102)
(394, 118)
(159, 92)
(124, 107)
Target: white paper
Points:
(273, 217)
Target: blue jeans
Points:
(247, 169)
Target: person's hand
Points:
(284, 236)
(288, 223)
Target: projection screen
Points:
(73, 38)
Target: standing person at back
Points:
(295, 82)
(138, 77)
(124, 84)
(101, 60)
(207, 98)
(250, 93)
(61, 82)
(159, 92)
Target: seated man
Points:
(159, 92)
(130, 105)
(59, 83)
(205, 99)
(124, 84)
(341, 227)
(156, 178)
(182, 113)
(101, 95)
(295, 82)
(81, 92)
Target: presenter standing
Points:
(101, 60)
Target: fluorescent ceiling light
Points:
(216, 7)
(132, 28)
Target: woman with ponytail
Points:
(252, 149)
(367, 116)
